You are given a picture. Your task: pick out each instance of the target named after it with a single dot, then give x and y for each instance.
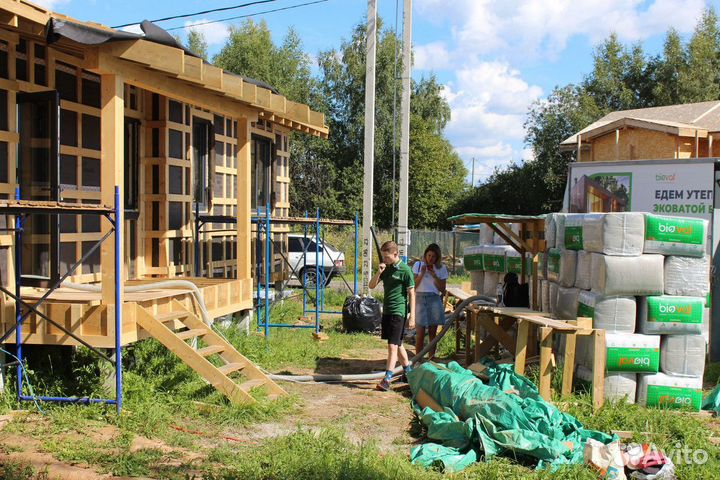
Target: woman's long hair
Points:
(435, 248)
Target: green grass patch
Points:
(458, 279)
(17, 471)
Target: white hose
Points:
(194, 290)
(330, 378)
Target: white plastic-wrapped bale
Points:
(675, 235)
(683, 355)
(553, 260)
(688, 276)
(553, 289)
(477, 281)
(560, 230)
(620, 234)
(618, 385)
(583, 270)
(666, 391)
(542, 265)
(573, 232)
(473, 258)
(706, 324)
(568, 266)
(664, 314)
(550, 230)
(632, 353)
(513, 262)
(490, 283)
(486, 234)
(545, 296)
(614, 314)
(641, 275)
(494, 258)
(567, 303)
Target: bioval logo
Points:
(667, 178)
(667, 228)
(672, 400)
(645, 361)
(681, 310)
(575, 238)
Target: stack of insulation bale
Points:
(614, 265)
(487, 261)
(678, 314)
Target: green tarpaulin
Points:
(712, 402)
(481, 421)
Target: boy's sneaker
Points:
(384, 385)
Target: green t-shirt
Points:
(396, 281)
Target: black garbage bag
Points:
(361, 314)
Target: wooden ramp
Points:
(162, 327)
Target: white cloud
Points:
(214, 33)
(431, 56)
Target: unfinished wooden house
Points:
(85, 109)
(672, 132)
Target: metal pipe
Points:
(304, 269)
(267, 270)
(118, 301)
(18, 300)
(27, 398)
(317, 271)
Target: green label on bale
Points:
(473, 262)
(514, 265)
(585, 311)
(633, 359)
(573, 237)
(675, 309)
(553, 261)
(494, 263)
(673, 229)
(674, 397)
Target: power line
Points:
(257, 2)
(245, 16)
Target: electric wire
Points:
(186, 15)
(248, 15)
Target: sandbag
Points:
(477, 281)
(553, 289)
(632, 353)
(553, 264)
(490, 283)
(567, 303)
(473, 258)
(661, 390)
(641, 275)
(675, 235)
(687, 276)
(673, 315)
(560, 230)
(573, 232)
(583, 270)
(486, 234)
(550, 230)
(682, 355)
(568, 265)
(619, 234)
(361, 314)
(614, 314)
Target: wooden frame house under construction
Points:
(85, 109)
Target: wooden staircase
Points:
(162, 327)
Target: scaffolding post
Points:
(118, 304)
(267, 269)
(18, 305)
(304, 269)
(317, 271)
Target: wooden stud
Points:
(598, 373)
(521, 346)
(569, 363)
(546, 339)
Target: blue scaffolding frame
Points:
(21, 210)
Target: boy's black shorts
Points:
(393, 329)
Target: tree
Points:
(668, 71)
(700, 80)
(197, 44)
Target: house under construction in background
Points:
(86, 111)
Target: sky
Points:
(494, 57)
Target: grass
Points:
(18, 471)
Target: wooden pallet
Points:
(162, 327)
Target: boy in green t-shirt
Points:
(399, 285)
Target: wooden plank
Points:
(496, 331)
(469, 321)
(569, 363)
(243, 201)
(599, 361)
(546, 337)
(521, 346)
(424, 400)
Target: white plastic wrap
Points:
(688, 276)
(560, 230)
(614, 314)
(675, 235)
(553, 297)
(665, 314)
(477, 281)
(619, 234)
(641, 275)
(553, 259)
(572, 232)
(567, 303)
(545, 296)
(621, 385)
(669, 391)
(486, 234)
(706, 325)
(550, 230)
(568, 265)
(683, 355)
(583, 270)
(473, 258)
(490, 281)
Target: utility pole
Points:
(369, 148)
(403, 231)
(472, 175)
